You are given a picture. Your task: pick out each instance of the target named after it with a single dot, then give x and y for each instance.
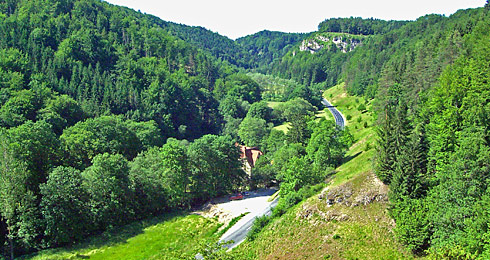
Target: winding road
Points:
(256, 204)
(339, 118)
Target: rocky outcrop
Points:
(310, 45)
(309, 211)
(373, 191)
(333, 203)
(343, 43)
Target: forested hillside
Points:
(321, 57)
(109, 116)
(266, 47)
(89, 94)
(433, 134)
(429, 81)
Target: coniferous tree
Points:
(385, 161)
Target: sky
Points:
(238, 18)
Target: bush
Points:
(290, 199)
(361, 107)
(367, 147)
(349, 117)
(286, 202)
(259, 224)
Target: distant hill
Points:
(266, 47)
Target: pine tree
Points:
(384, 148)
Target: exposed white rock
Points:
(322, 38)
(310, 45)
(344, 44)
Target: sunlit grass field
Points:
(165, 237)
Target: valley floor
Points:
(347, 220)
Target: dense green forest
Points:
(266, 47)
(433, 134)
(109, 115)
(90, 94)
(429, 80)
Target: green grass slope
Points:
(166, 237)
(349, 219)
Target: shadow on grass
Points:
(348, 158)
(116, 236)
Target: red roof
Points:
(252, 154)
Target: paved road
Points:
(238, 233)
(256, 203)
(339, 118)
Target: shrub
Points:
(361, 107)
(259, 224)
(290, 199)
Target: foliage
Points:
(107, 134)
(290, 199)
(358, 25)
(14, 192)
(101, 88)
(160, 177)
(147, 133)
(253, 130)
(266, 47)
(433, 136)
(37, 146)
(64, 207)
(260, 110)
(215, 167)
(107, 184)
(258, 225)
(327, 145)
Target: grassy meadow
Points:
(167, 237)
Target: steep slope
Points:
(115, 60)
(320, 57)
(428, 78)
(348, 219)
